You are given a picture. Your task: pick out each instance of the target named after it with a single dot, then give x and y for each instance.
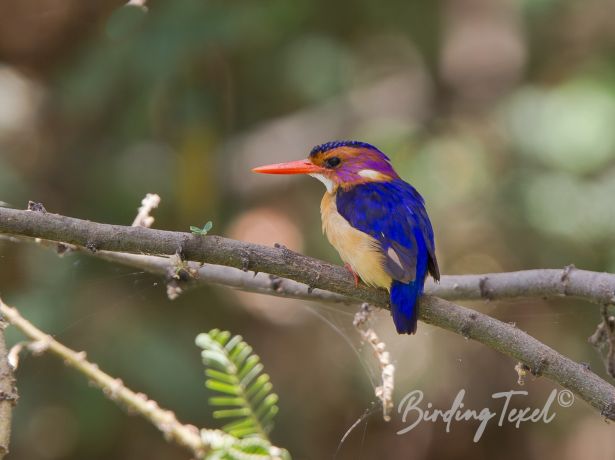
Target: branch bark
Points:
(330, 283)
(8, 395)
(316, 274)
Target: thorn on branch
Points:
(36, 347)
(13, 355)
(36, 207)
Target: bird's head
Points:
(339, 164)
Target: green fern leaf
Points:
(225, 447)
(243, 392)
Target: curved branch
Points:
(282, 262)
(184, 435)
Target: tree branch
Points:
(282, 262)
(598, 288)
(332, 284)
(8, 395)
(185, 435)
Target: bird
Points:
(375, 220)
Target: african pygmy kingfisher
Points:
(376, 221)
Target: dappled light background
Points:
(500, 113)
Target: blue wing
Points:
(394, 214)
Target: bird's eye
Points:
(332, 162)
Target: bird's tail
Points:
(404, 305)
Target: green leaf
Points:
(216, 359)
(261, 383)
(225, 401)
(202, 231)
(242, 392)
(250, 447)
(223, 387)
(248, 365)
(227, 413)
(220, 376)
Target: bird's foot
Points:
(353, 273)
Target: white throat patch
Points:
(328, 182)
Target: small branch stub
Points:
(148, 204)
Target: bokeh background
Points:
(501, 113)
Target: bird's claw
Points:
(353, 273)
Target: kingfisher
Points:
(375, 220)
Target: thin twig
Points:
(184, 435)
(282, 262)
(383, 392)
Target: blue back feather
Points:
(394, 214)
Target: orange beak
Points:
(293, 167)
